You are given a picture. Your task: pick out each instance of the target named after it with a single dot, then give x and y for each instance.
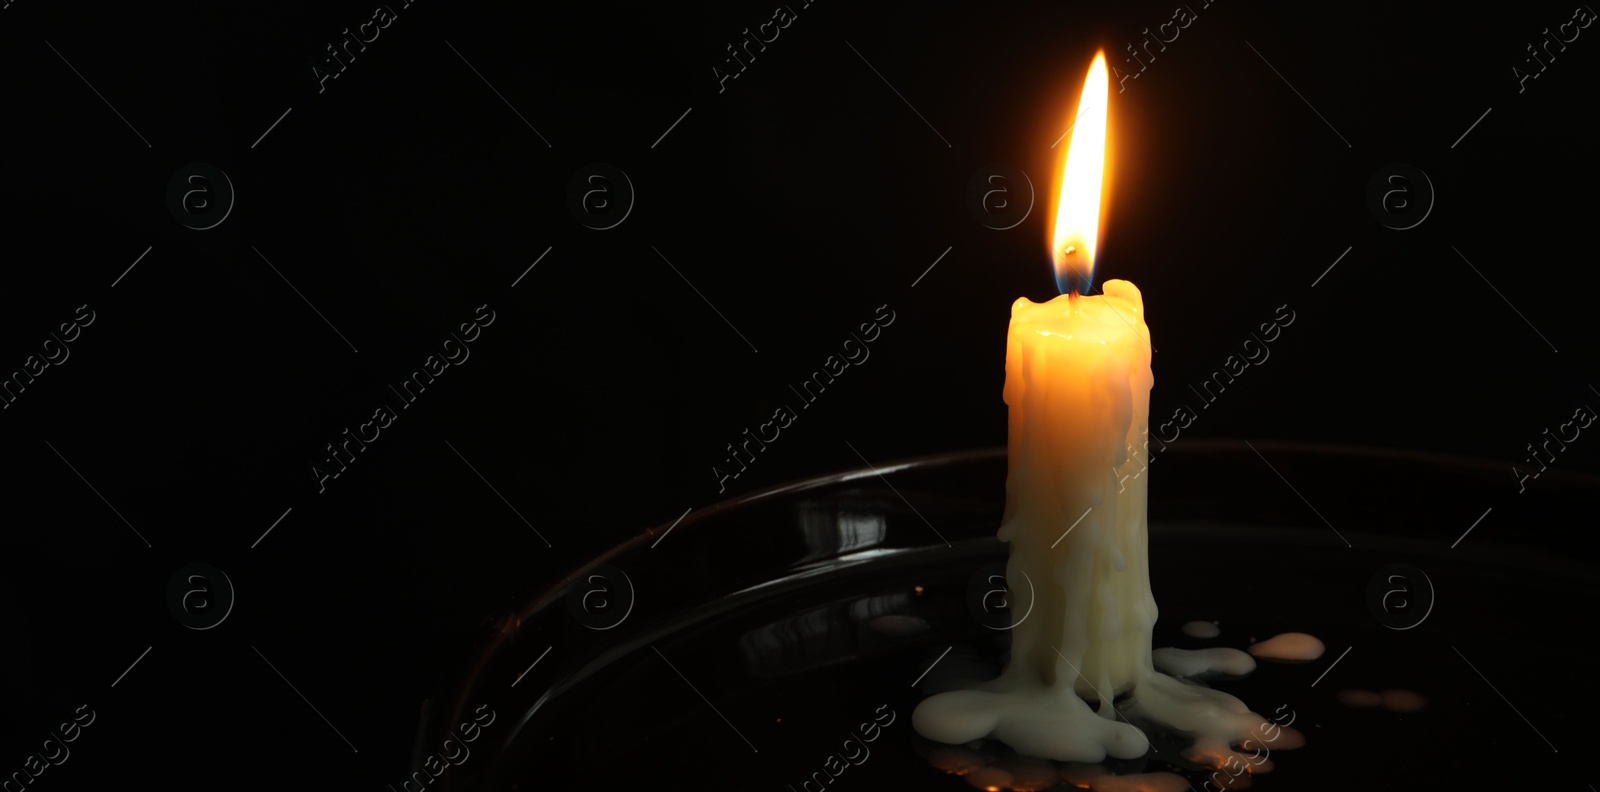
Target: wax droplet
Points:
(1194, 662)
(1403, 701)
(1201, 629)
(1288, 739)
(1293, 647)
(1364, 699)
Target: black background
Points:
(796, 200)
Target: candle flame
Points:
(1077, 226)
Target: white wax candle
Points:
(1078, 385)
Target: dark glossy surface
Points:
(764, 632)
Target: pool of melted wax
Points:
(1167, 766)
(1053, 722)
(1001, 735)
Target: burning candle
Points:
(1078, 385)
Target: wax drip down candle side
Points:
(1081, 669)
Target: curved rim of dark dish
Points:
(454, 699)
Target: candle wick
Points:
(1068, 258)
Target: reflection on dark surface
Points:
(991, 766)
(835, 528)
(822, 636)
(839, 631)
